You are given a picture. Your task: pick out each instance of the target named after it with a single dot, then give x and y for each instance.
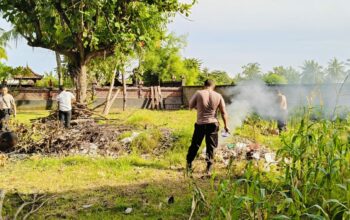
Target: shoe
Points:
(208, 171)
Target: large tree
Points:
(163, 61)
(312, 72)
(251, 71)
(336, 71)
(85, 29)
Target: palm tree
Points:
(5, 37)
(251, 71)
(312, 72)
(2, 45)
(336, 70)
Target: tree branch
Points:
(100, 53)
(64, 17)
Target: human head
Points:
(209, 83)
(4, 90)
(61, 88)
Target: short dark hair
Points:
(209, 83)
(3, 86)
(61, 88)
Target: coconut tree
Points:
(312, 72)
(336, 70)
(251, 71)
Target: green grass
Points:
(26, 116)
(112, 185)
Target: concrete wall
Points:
(33, 98)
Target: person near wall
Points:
(7, 108)
(283, 112)
(64, 100)
(207, 102)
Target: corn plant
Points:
(313, 182)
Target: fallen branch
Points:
(33, 210)
(100, 105)
(35, 200)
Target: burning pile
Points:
(244, 149)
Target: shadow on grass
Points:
(148, 201)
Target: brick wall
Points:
(34, 98)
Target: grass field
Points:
(315, 157)
(107, 186)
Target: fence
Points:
(172, 98)
(137, 97)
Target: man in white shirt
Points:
(7, 108)
(64, 100)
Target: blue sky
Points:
(227, 34)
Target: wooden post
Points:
(152, 98)
(124, 90)
(156, 97)
(160, 98)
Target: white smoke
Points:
(252, 97)
(255, 96)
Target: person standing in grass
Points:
(207, 102)
(7, 108)
(283, 112)
(64, 100)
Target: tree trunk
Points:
(82, 84)
(124, 90)
(109, 95)
(59, 69)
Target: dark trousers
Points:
(282, 121)
(65, 117)
(4, 119)
(210, 132)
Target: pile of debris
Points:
(87, 136)
(79, 111)
(245, 149)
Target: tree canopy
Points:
(85, 29)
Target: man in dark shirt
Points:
(207, 102)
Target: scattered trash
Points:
(270, 157)
(230, 146)
(128, 140)
(128, 210)
(87, 206)
(225, 134)
(171, 200)
(244, 149)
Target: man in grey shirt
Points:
(207, 102)
(7, 108)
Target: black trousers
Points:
(65, 118)
(210, 132)
(282, 121)
(4, 119)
